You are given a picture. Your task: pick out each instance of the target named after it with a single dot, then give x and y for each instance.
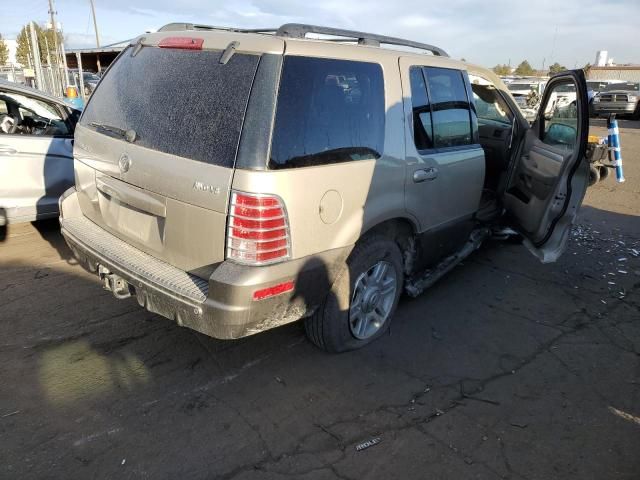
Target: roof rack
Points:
(172, 27)
(301, 30)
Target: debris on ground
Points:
(593, 242)
(367, 444)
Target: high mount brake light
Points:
(184, 43)
(258, 231)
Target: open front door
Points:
(550, 176)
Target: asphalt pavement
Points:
(506, 368)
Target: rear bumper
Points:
(222, 306)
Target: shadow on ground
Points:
(502, 364)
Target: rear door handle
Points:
(425, 174)
(7, 150)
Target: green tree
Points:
(4, 52)
(556, 68)
(44, 37)
(524, 68)
(502, 70)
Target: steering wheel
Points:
(7, 124)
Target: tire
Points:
(331, 327)
(594, 175)
(604, 173)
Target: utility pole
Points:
(80, 76)
(64, 60)
(58, 47)
(36, 56)
(95, 27)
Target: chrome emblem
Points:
(124, 163)
(203, 187)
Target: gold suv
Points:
(237, 180)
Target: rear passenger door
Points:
(445, 163)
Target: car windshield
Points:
(634, 87)
(90, 76)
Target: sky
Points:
(487, 33)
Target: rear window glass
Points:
(328, 111)
(181, 102)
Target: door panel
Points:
(34, 171)
(442, 185)
(549, 179)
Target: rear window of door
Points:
(328, 111)
(443, 115)
(181, 102)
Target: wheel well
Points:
(402, 232)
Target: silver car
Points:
(36, 152)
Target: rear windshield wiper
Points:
(129, 135)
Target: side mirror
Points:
(561, 134)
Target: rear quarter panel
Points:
(369, 191)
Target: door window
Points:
(490, 106)
(561, 118)
(329, 111)
(442, 114)
(450, 107)
(35, 117)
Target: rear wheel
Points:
(362, 300)
(594, 175)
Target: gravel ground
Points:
(507, 368)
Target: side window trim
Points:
(473, 114)
(420, 69)
(456, 148)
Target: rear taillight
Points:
(258, 231)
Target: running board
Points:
(418, 283)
